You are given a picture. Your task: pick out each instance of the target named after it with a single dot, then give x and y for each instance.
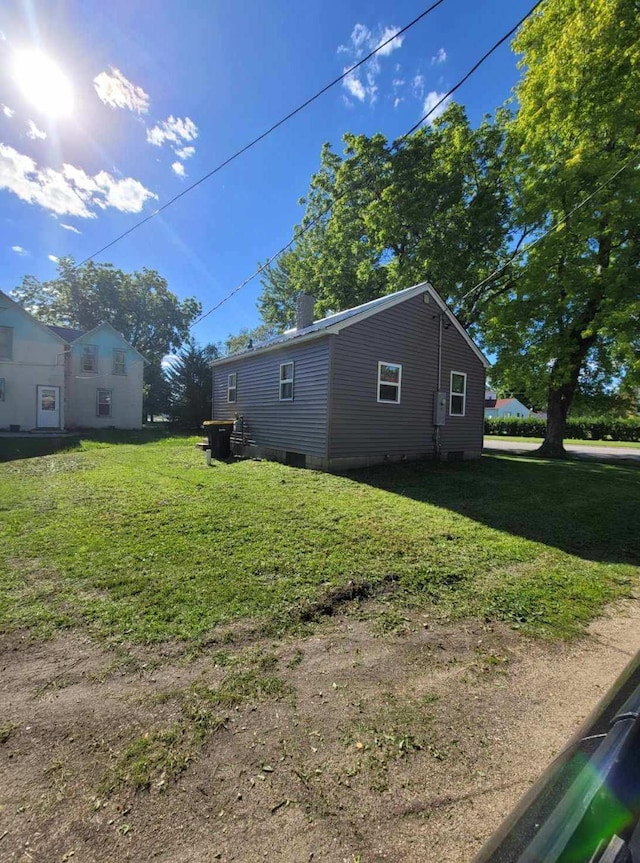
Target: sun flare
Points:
(43, 83)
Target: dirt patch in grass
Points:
(381, 738)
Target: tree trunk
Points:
(560, 399)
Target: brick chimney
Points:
(304, 310)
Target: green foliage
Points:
(399, 213)
(255, 337)
(189, 379)
(156, 391)
(577, 428)
(199, 547)
(139, 305)
(573, 304)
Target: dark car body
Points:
(586, 806)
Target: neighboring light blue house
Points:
(396, 378)
(500, 408)
(55, 378)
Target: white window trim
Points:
(104, 390)
(389, 383)
(290, 380)
(94, 370)
(232, 389)
(114, 364)
(463, 394)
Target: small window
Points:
(103, 405)
(119, 362)
(232, 387)
(6, 343)
(1, 389)
(458, 394)
(286, 382)
(389, 382)
(89, 360)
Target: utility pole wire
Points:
(264, 134)
(524, 249)
(395, 146)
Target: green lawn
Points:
(579, 442)
(143, 542)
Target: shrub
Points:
(581, 428)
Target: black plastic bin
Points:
(219, 434)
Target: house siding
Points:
(37, 360)
(295, 426)
(364, 429)
(82, 387)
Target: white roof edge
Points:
(374, 307)
(32, 317)
(445, 308)
(111, 327)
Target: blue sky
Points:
(155, 94)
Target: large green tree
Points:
(387, 215)
(190, 382)
(572, 310)
(139, 305)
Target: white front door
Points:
(48, 407)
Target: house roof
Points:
(490, 403)
(339, 321)
(69, 334)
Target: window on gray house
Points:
(458, 394)
(1, 389)
(6, 343)
(103, 403)
(89, 360)
(286, 382)
(119, 362)
(389, 382)
(232, 387)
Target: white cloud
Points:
(34, 133)
(440, 57)
(7, 111)
(397, 101)
(417, 86)
(117, 92)
(53, 258)
(388, 33)
(19, 250)
(431, 100)
(185, 152)
(178, 168)
(71, 191)
(174, 130)
(354, 86)
(361, 84)
(70, 228)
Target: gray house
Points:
(396, 378)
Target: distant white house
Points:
(56, 378)
(500, 408)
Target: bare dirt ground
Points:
(403, 746)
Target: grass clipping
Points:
(156, 758)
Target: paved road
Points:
(604, 453)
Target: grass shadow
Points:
(34, 446)
(586, 508)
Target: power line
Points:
(264, 134)
(396, 144)
(549, 230)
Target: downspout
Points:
(436, 429)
